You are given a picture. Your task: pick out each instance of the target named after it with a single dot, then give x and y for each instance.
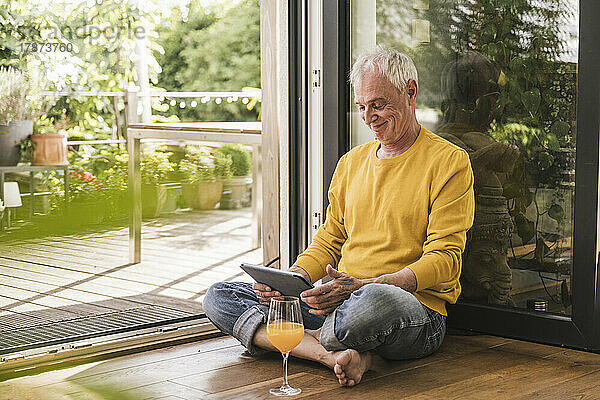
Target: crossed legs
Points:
(377, 320)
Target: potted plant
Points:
(203, 173)
(48, 144)
(236, 188)
(19, 105)
(155, 168)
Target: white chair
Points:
(12, 198)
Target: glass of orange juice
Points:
(285, 331)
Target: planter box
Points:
(10, 137)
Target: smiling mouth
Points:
(377, 127)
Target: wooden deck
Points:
(51, 279)
(466, 367)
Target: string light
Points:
(204, 100)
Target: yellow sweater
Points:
(411, 211)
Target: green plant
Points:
(202, 165)
(240, 157)
(20, 97)
(14, 87)
(543, 131)
(45, 125)
(84, 184)
(222, 164)
(155, 166)
(97, 189)
(26, 148)
(112, 165)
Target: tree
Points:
(213, 50)
(16, 28)
(101, 39)
(104, 38)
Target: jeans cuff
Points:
(327, 338)
(245, 328)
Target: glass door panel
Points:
(499, 79)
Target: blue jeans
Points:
(381, 318)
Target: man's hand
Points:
(325, 298)
(265, 293)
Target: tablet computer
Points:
(285, 282)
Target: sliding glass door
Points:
(515, 83)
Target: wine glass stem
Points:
(285, 363)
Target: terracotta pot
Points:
(49, 149)
(10, 137)
(202, 195)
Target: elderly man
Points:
(399, 209)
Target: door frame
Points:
(335, 94)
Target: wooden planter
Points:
(202, 195)
(49, 149)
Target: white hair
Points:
(397, 67)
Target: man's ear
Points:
(411, 90)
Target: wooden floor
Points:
(466, 367)
(57, 278)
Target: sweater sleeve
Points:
(326, 245)
(451, 215)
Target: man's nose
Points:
(370, 115)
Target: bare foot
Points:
(350, 365)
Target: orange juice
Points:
(285, 335)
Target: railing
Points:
(248, 133)
(244, 133)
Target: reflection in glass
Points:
(497, 78)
